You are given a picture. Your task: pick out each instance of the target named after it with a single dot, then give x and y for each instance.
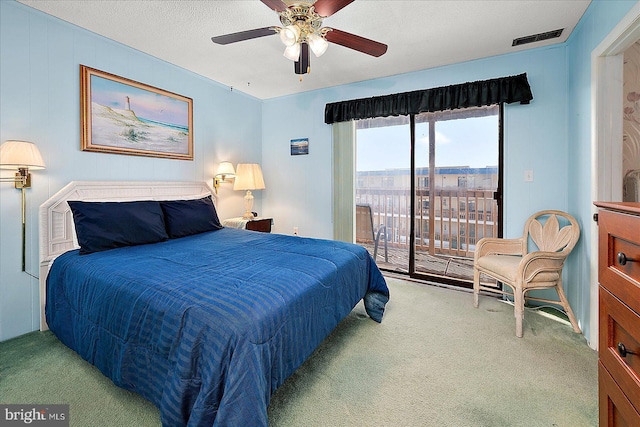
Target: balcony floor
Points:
(441, 265)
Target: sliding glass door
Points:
(432, 181)
(456, 189)
(383, 183)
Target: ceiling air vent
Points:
(537, 37)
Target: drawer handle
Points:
(622, 258)
(622, 350)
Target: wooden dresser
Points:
(619, 318)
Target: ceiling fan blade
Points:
(277, 5)
(243, 35)
(370, 47)
(329, 7)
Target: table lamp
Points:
(248, 177)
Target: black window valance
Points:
(472, 94)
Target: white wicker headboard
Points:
(57, 231)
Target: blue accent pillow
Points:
(107, 225)
(187, 217)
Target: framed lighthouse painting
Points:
(123, 116)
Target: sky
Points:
(145, 104)
(469, 142)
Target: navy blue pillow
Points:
(187, 217)
(107, 225)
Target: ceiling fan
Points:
(302, 30)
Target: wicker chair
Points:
(365, 232)
(510, 262)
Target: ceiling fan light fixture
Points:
(317, 44)
(289, 35)
(302, 31)
(292, 52)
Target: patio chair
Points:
(366, 232)
(509, 261)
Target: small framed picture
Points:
(299, 146)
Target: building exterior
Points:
(450, 215)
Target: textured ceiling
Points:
(420, 35)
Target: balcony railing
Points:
(461, 216)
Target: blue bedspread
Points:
(208, 326)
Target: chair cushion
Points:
(504, 266)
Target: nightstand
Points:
(256, 224)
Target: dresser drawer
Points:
(619, 263)
(615, 408)
(620, 331)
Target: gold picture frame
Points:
(122, 116)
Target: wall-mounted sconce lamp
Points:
(226, 173)
(21, 156)
(248, 177)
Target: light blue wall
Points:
(535, 139)
(39, 102)
(551, 136)
(595, 25)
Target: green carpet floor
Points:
(433, 361)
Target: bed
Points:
(205, 325)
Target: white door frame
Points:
(606, 133)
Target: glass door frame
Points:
(498, 196)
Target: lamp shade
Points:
(20, 154)
(289, 35)
(226, 169)
(292, 52)
(248, 177)
(317, 44)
